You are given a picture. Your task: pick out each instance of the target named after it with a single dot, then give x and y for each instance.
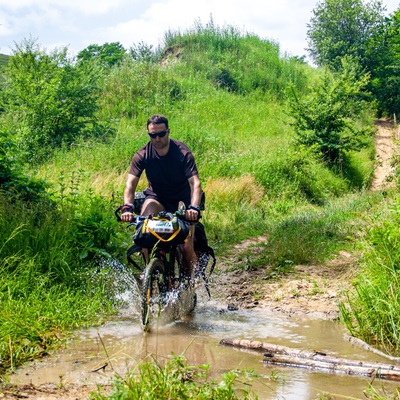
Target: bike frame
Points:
(169, 254)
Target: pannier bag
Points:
(138, 202)
(167, 230)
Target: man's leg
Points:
(150, 206)
(189, 255)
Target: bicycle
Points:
(162, 278)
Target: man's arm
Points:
(195, 197)
(129, 195)
(130, 188)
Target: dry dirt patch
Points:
(385, 147)
(312, 290)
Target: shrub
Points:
(48, 101)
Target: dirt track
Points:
(313, 290)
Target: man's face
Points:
(158, 142)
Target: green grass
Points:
(48, 279)
(176, 380)
(309, 235)
(36, 313)
(371, 311)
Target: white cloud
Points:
(88, 7)
(79, 23)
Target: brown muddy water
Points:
(121, 344)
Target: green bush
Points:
(327, 118)
(48, 101)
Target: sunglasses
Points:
(159, 134)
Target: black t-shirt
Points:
(167, 175)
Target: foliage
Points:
(46, 286)
(341, 28)
(372, 311)
(144, 52)
(13, 181)
(384, 56)
(310, 234)
(48, 102)
(3, 64)
(3, 61)
(174, 380)
(327, 118)
(298, 170)
(107, 54)
(138, 87)
(350, 28)
(36, 313)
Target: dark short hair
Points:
(157, 119)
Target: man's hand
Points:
(192, 213)
(127, 212)
(127, 217)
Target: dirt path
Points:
(385, 139)
(312, 290)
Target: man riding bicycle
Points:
(172, 177)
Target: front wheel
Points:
(153, 288)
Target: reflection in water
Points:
(122, 344)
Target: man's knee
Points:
(151, 206)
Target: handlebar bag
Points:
(155, 229)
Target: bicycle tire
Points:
(153, 289)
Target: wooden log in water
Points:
(360, 343)
(282, 355)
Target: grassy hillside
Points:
(225, 94)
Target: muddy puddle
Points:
(120, 344)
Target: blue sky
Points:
(78, 23)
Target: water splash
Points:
(124, 289)
(121, 284)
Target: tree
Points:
(384, 56)
(107, 54)
(144, 52)
(47, 101)
(343, 27)
(327, 119)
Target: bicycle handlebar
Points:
(136, 219)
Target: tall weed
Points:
(46, 280)
(36, 312)
(372, 309)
